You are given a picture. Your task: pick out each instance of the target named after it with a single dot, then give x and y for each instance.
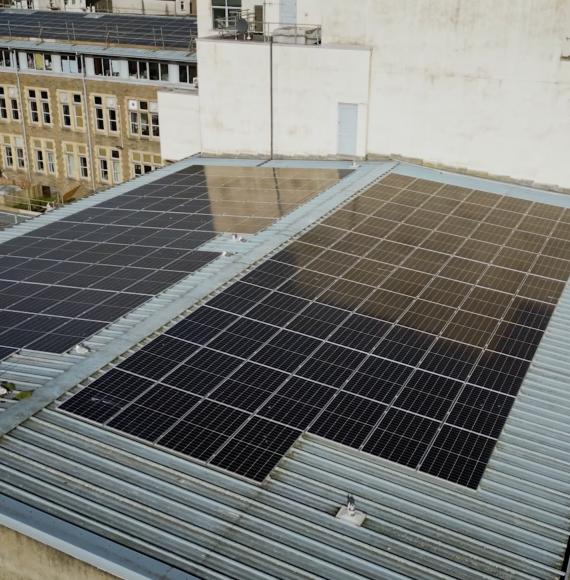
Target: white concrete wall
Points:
(309, 84)
(234, 97)
(476, 85)
(179, 113)
(204, 16)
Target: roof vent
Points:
(348, 513)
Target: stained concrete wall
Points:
(22, 558)
(179, 113)
(308, 84)
(482, 86)
(234, 97)
(475, 85)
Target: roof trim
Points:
(123, 50)
(84, 545)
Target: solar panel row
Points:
(402, 326)
(65, 281)
(145, 30)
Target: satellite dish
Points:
(241, 26)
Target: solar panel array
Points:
(156, 31)
(401, 326)
(63, 282)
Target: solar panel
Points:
(65, 281)
(144, 30)
(398, 326)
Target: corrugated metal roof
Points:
(204, 522)
(52, 374)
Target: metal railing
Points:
(8, 219)
(156, 36)
(21, 201)
(243, 26)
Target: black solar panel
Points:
(402, 326)
(155, 31)
(65, 281)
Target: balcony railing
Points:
(244, 26)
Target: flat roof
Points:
(160, 32)
(211, 523)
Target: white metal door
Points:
(347, 129)
(288, 12)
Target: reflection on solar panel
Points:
(402, 326)
(112, 29)
(65, 281)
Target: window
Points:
(83, 167)
(44, 156)
(15, 108)
(5, 58)
(106, 114)
(71, 109)
(39, 61)
(9, 106)
(13, 153)
(51, 161)
(142, 162)
(76, 165)
(33, 105)
(223, 11)
(151, 70)
(8, 156)
(40, 166)
(106, 67)
(187, 73)
(39, 107)
(44, 101)
(109, 165)
(143, 118)
(3, 105)
(21, 157)
(71, 63)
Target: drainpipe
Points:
(27, 143)
(88, 122)
(271, 94)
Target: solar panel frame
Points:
(418, 367)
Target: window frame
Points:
(109, 165)
(105, 117)
(71, 110)
(13, 152)
(39, 107)
(9, 112)
(3, 53)
(144, 122)
(76, 161)
(45, 159)
(34, 58)
(109, 67)
(190, 72)
(225, 8)
(77, 59)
